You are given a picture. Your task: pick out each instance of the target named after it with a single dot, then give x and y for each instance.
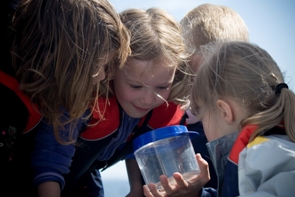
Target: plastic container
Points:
(165, 151)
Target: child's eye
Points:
(163, 88)
(135, 86)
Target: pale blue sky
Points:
(271, 25)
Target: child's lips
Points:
(141, 109)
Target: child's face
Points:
(210, 126)
(225, 119)
(143, 85)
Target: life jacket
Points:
(34, 116)
(244, 136)
(241, 143)
(104, 121)
(18, 116)
(107, 122)
(107, 127)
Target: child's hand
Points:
(182, 188)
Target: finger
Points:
(154, 190)
(146, 191)
(204, 168)
(181, 183)
(166, 185)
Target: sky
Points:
(271, 25)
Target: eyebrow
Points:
(133, 81)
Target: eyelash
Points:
(135, 86)
(163, 88)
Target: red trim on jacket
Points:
(170, 114)
(241, 142)
(164, 115)
(34, 115)
(103, 127)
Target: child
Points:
(204, 24)
(143, 96)
(60, 51)
(209, 23)
(241, 88)
(155, 40)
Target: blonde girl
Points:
(146, 93)
(247, 111)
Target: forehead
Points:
(147, 69)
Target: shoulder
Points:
(165, 115)
(274, 147)
(105, 120)
(265, 162)
(273, 154)
(17, 110)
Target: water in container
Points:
(172, 153)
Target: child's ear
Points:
(225, 110)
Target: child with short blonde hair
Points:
(204, 24)
(209, 23)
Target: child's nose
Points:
(148, 97)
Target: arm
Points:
(135, 179)
(49, 189)
(266, 168)
(182, 188)
(50, 159)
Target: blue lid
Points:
(158, 134)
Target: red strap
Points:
(241, 142)
(104, 125)
(34, 115)
(166, 115)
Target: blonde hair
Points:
(208, 23)
(248, 74)
(58, 46)
(155, 33)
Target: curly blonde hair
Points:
(155, 33)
